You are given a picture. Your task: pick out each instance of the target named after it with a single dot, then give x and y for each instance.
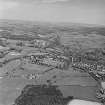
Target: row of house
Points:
(48, 59)
(96, 71)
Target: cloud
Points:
(20, 1)
(7, 4)
(35, 1)
(53, 1)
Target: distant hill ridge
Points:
(53, 23)
(49, 28)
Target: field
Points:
(70, 82)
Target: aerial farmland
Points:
(42, 53)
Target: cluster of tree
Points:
(41, 95)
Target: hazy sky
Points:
(81, 11)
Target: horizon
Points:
(54, 11)
(55, 23)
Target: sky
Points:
(78, 11)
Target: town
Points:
(50, 52)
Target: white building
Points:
(83, 102)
